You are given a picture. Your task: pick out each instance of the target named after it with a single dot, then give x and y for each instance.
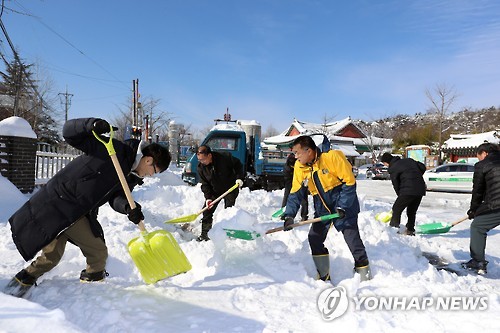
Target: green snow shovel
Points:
(192, 217)
(279, 212)
(437, 228)
(157, 255)
(250, 235)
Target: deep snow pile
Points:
(251, 286)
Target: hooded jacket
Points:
(332, 184)
(406, 176)
(79, 189)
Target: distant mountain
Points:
(423, 128)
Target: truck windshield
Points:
(223, 144)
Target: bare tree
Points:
(270, 131)
(442, 98)
(327, 120)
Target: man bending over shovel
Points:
(329, 178)
(66, 208)
(218, 172)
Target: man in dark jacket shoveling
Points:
(66, 208)
(218, 172)
(408, 182)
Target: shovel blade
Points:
(279, 212)
(242, 234)
(158, 256)
(433, 228)
(183, 219)
(383, 217)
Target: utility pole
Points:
(66, 100)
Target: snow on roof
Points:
(248, 122)
(471, 140)
(16, 126)
(227, 127)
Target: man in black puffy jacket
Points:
(66, 208)
(484, 205)
(218, 172)
(408, 182)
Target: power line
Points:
(70, 44)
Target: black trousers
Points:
(411, 203)
(208, 215)
(319, 231)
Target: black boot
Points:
(475, 265)
(92, 277)
(20, 284)
(203, 237)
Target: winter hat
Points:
(386, 158)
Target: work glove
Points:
(101, 126)
(287, 224)
(135, 215)
(208, 203)
(239, 182)
(341, 212)
(471, 214)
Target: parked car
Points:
(378, 171)
(450, 177)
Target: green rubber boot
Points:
(364, 272)
(322, 263)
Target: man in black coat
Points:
(484, 205)
(218, 172)
(66, 208)
(408, 182)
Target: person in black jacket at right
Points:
(408, 182)
(484, 204)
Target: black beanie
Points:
(386, 158)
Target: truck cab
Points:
(220, 139)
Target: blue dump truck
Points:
(263, 162)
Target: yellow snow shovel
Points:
(192, 217)
(157, 255)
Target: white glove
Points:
(208, 203)
(239, 182)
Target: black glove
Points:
(471, 214)
(101, 126)
(287, 224)
(135, 215)
(341, 212)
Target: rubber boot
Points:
(322, 263)
(364, 272)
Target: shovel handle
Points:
(459, 221)
(119, 171)
(298, 224)
(231, 189)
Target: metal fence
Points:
(50, 159)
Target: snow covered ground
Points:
(264, 285)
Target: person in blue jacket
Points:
(328, 177)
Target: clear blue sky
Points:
(266, 60)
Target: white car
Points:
(450, 177)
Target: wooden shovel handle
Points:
(298, 224)
(459, 221)
(126, 189)
(219, 198)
